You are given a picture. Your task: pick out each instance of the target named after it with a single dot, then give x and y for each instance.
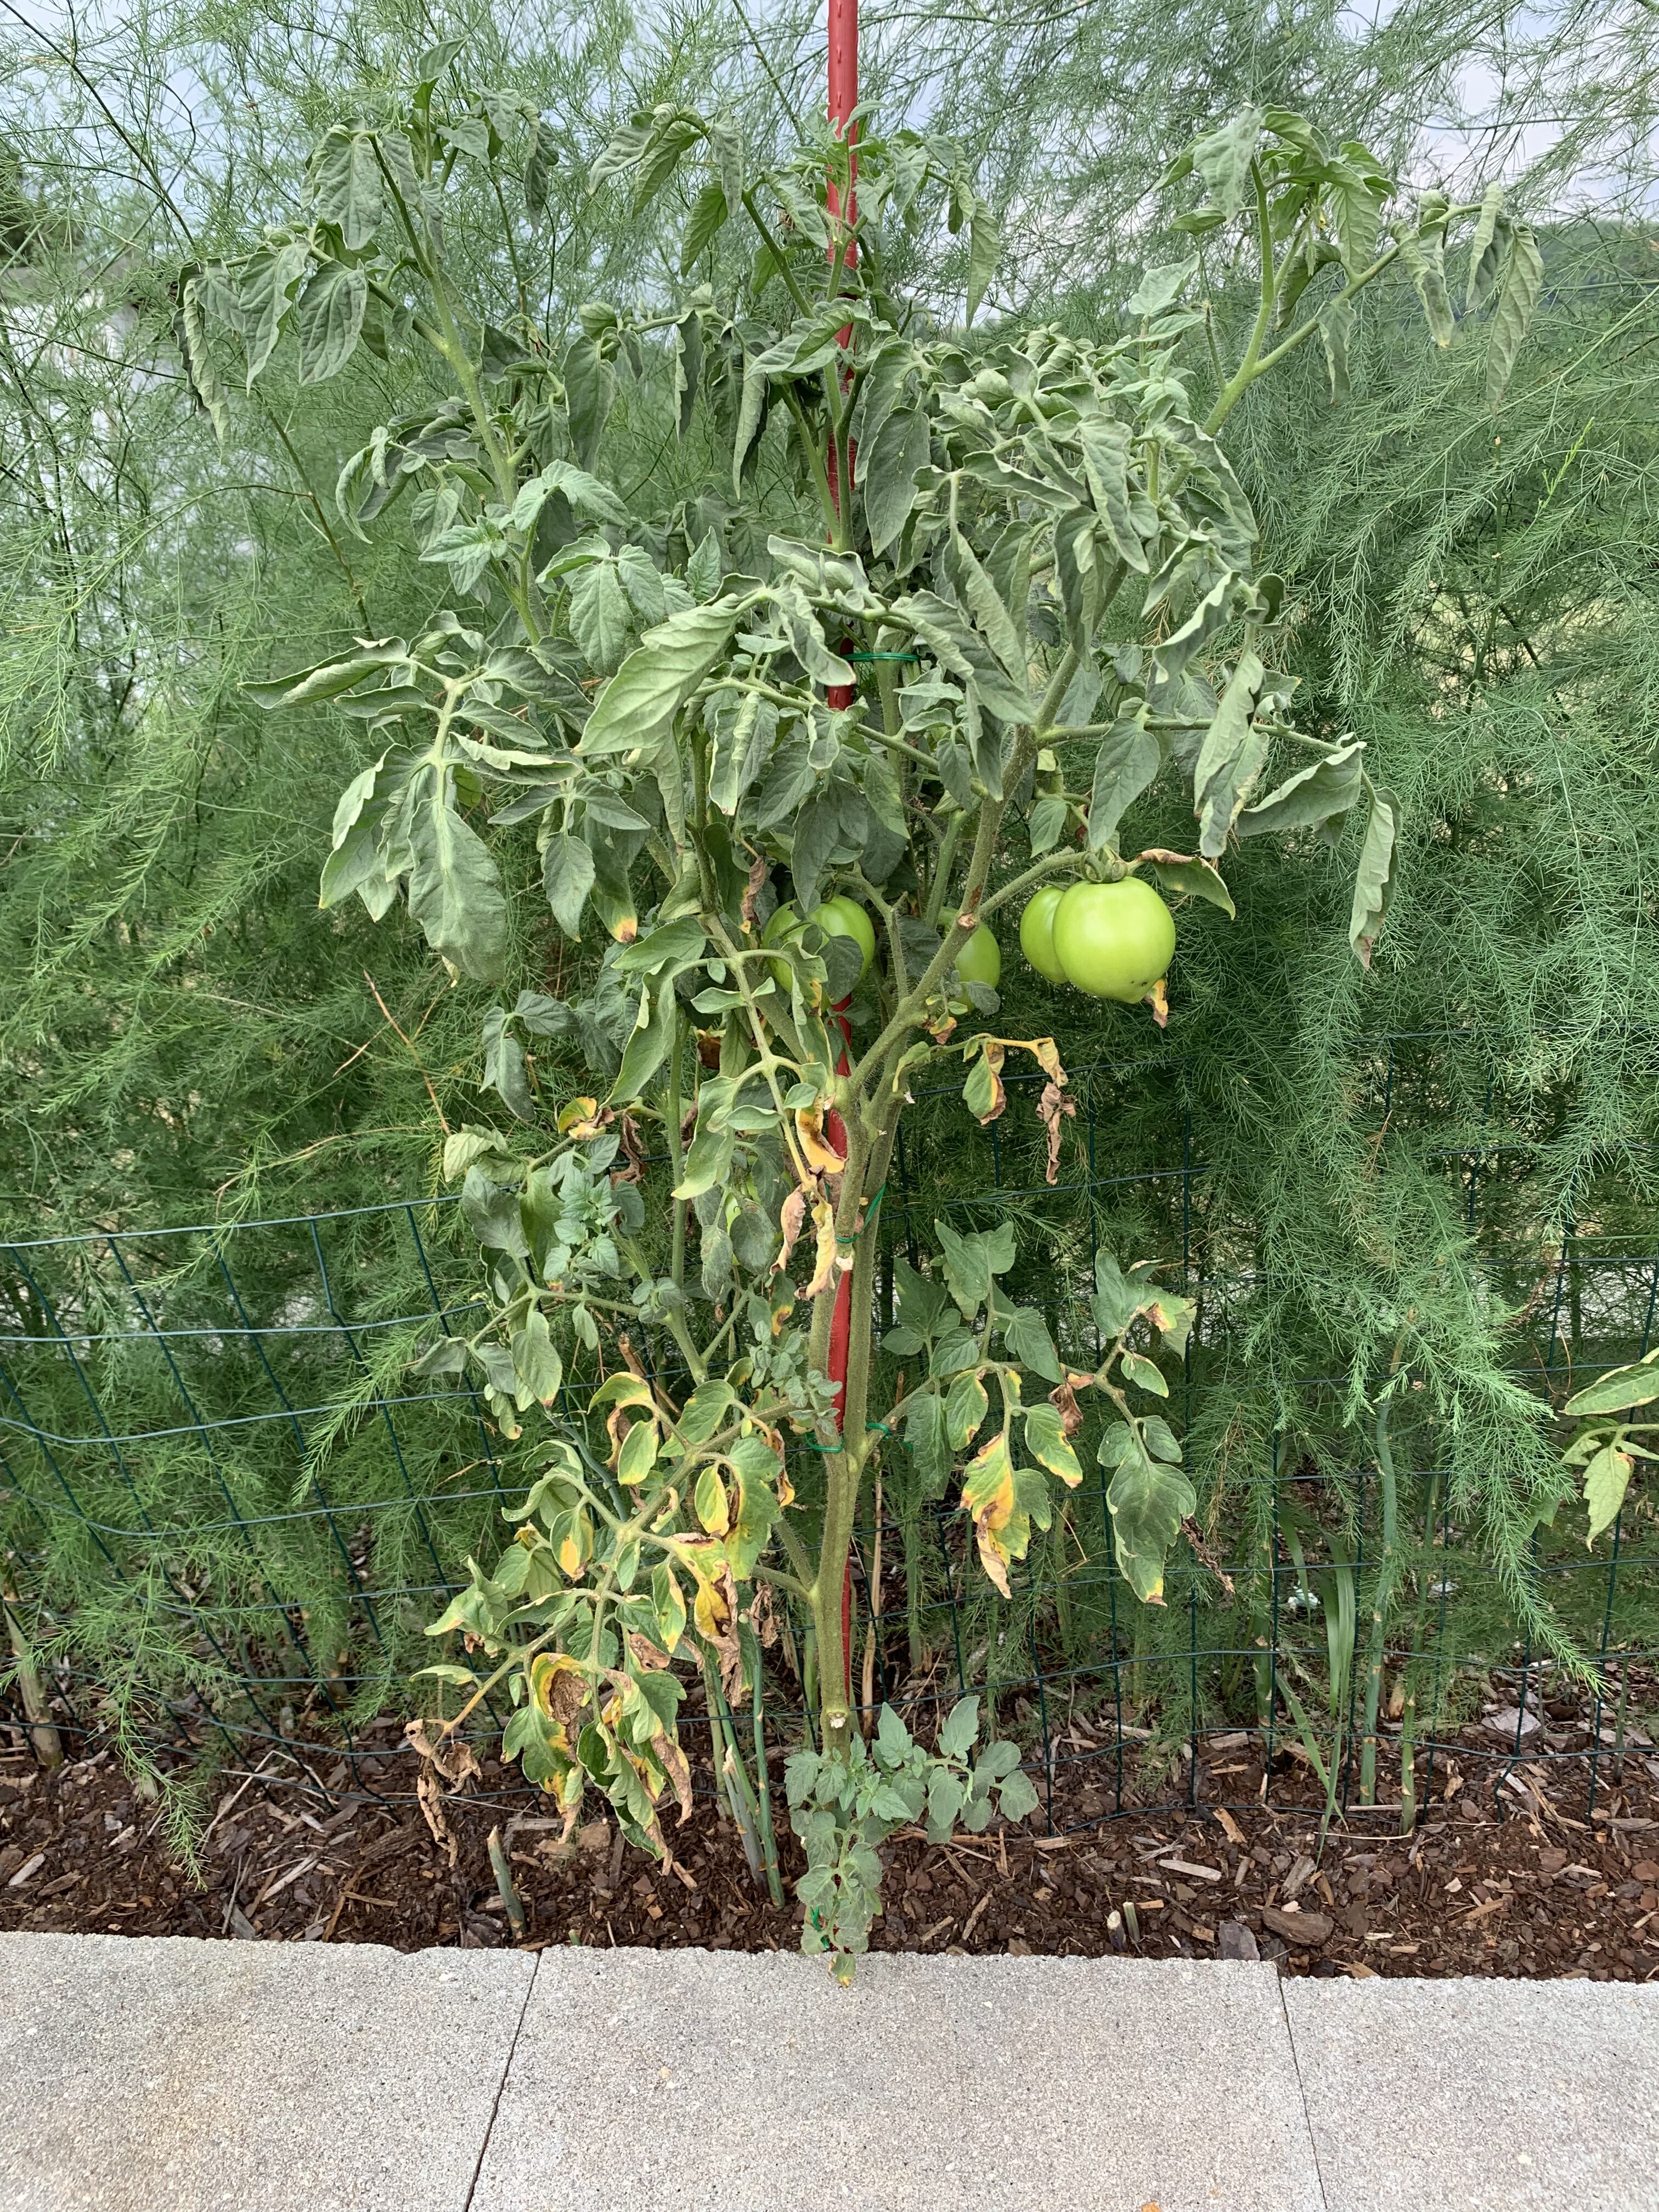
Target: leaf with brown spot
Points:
(715, 1612)
(983, 1093)
(987, 1493)
(1158, 999)
(559, 1687)
(1046, 1054)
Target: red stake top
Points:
(843, 59)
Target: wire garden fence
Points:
(228, 1513)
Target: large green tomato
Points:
(1114, 940)
(980, 960)
(1036, 931)
(845, 917)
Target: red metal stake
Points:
(843, 99)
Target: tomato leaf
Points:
(1624, 1387)
(1606, 1480)
(638, 706)
(889, 468)
(1047, 1442)
(1374, 880)
(329, 320)
(454, 887)
(1127, 762)
(346, 184)
(1148, 1502)
(1314, 795)
(1179, 872)
(1520, 282)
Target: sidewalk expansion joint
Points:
(506, 2070)
(1302, 2094)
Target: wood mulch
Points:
(1523, 1879)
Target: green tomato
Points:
(844, 917)
(1036, 931)
(784, 926)
(980, 960)
(1114, 940)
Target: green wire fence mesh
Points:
(228, 1513)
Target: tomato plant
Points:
(952, 606)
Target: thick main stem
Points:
(47, 1744)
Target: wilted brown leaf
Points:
(1064, 1399)
(1202, 1551)
(791, 1220)
(444, 1760)
(816, 1149)
(633, 1153)
(757, 872)
(1053, 1109)
(677, 1767)
(830, 1260)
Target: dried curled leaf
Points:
(983, 1094)
(829, 1260)
(447, 1764)
(1053, 1109)
(791, 1220)
(757, 873)
(816, 1147)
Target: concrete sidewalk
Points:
(166, 2075)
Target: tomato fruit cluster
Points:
(1112, 940)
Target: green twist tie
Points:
(875, 1208)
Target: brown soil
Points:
(1522, 1880)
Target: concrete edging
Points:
(167, 2075)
